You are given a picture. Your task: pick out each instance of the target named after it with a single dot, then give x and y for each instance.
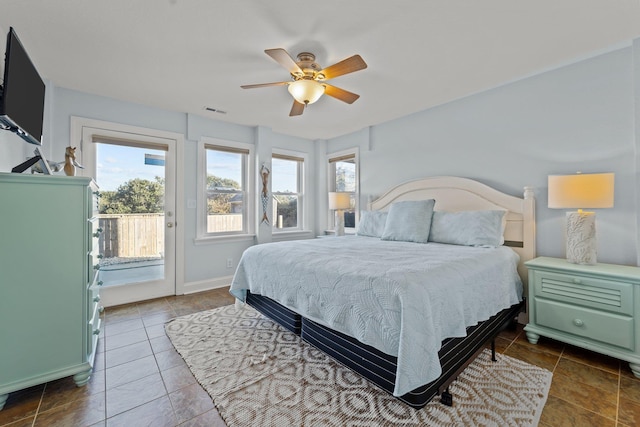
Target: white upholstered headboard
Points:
(463, 194)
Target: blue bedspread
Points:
(402, 298)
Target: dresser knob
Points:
(100, 282)
(96, 299)
(579, 323)
(96, 332)
(96, 267)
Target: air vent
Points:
(215, 110)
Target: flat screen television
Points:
(22, 94)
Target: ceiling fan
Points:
(309, 80)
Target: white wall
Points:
(576, 118)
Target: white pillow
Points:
(468, 228)
(409, 221)
(371, 223)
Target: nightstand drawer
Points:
(592, 324)
(586, 291)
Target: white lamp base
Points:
(339, 221)
(581, 237)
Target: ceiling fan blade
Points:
(346, 66)
(283, 58)
(297, 108)
(341, 94)
(264, 85)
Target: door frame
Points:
(82, 128)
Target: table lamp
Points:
(338, 202)
(580, 191)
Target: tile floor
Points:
(139, 379)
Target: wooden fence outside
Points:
(226, 222)
(142, 235)
(131, 235)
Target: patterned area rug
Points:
(260, 374)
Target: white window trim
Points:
(303, 213)
(202, 237)
(355, 152)
(303, 190)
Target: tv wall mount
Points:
(39, 157)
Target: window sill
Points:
(224, 239)
(278, 236)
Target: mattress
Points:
(400, 298)
(274, 311)
(378, 367)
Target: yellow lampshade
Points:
(594, 190)
(306, 91)
(339, 200)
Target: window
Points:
(343, 177)
(286, 190)
(225, 203)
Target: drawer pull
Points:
(579, 323)
(96, 234)
(96, 267)
(96, 299)
(96, 332)
(100, 282)
(100, 256)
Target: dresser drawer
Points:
(93, 299)
(597, 293)
(94, 308)
(595, 325)
(93, 328)
(94, 197)
(93, 265)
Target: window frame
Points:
(248, 190)
(301, 158)
(332, 159)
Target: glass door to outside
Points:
(136, 219)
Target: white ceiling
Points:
(183, 55)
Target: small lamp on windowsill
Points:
(581, 191)
(338, 202)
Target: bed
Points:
(407, 313)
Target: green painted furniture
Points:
(49, 297)
(596, 307)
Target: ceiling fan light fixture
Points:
(306, 91)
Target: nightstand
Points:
(596, 307)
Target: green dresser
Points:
(49, 297)
(596, 307)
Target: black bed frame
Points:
(380, 368)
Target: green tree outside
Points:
(134, 196)
(220, 203)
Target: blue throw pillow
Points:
(371, 223)
(409, 221)
(468, 228)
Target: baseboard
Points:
(205, 285)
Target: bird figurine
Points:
(70, 163)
